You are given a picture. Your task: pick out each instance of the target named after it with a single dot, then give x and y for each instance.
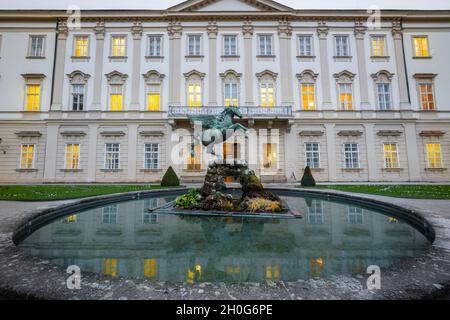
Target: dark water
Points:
(124, 239)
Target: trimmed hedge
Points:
(308, 179)
(170, 179)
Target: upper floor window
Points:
(390, 154)
(78, 82)
(112, 156)
(27, 155)
(344, 81)
(425, 90)
(421, 49)
(351, 155)
(312, 154)
(383, 89)
(154, 46)
(308, 89)
(231, 81)
(36, 46)
(267, 92)
(305, 46)
(378, 46)
(81, 46)
(230, 45)
(434, 158)
(153, 81)
(33, 91)
(118, 46)
(194, 45)
(265, 45)
(194, 86)
(72, 160)
(116, 81)
(342, 46)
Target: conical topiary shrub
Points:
(170, 179)
(308, 179)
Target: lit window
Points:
(426, 96)
(312, 154)
(434, 155)
(112, 153)
(81, 46)
(317, 267)
(231, 151)
(315, 212)
(36, 48)
(390, 153)
(153, 97)
(378, 46)
(110, 267)
(345, 96)
(355, 215)
(151, 156)
(267, 94)
(305, 46)
(194, 161)
(270, 156)
(351, 155)
(118, 46)
(421, 46)
(194, 95)
(27, 153)
(231, 94)
(229, 45)
(77, 97)
(150, 268)
(72, 156)
(154, 46)
(273, 272)
(110, 214)
(308, 96)
(33, 97)
(265, 45)
(116, 97)
(194, 45)
(342, 46)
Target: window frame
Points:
(200, 45)
(299, 45)
(385, 48)
(312, 151)
(113, 152)
(414, 46)
(151, 152)
(351, 101)
(352, 155)
(347, 42)
(33, 163)
(155, 36)
(66, 154)
(272, 48)
(30, 54)
(224, 51)
(75, 38)
(264, 155)
(439, 165)
(429, 82)
(390, 152)
(125, 45)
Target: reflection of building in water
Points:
(125, 239)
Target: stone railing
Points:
(247, 112)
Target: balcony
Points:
(247, 112)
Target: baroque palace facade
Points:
(107, 101)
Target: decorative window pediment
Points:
(194, 74)
(78, 77)
(382, 76)
(230, 75)
(344, 76)
(33, 77)
(307, 76)
(116, 77)
(153, 76)
(425, 76)
(267, 74)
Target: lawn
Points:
(61, 192)
(415, 191)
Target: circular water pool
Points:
(124, 239)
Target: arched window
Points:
(344, 81)
(231, 87)
(267, 88)
(116, 82)
(153, 84)
(194, 88)
(307, 81)
(78, 82)
(383, 89)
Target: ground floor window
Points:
(390, 151)
(72, 156)
(110, 214)
(194, 162)
(354, 215)
(434, 158)
(351, 155)
(112, 153)
(150, 268)
(110, 267)
(315, 212)
(312, 154)
(151, 156)
(27, 153)
(270, 156)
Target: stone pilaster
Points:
(247, 31)
(331, 150)
(99, 30)
(412, 152)
(284, 35)
(58, 81)
(397, 33)
(51, 146)
(175, 31)
(92, 152)
(370, 145)
(136, 32)
(132, 151)
(212, 30)
(360, 32)
(322, 32)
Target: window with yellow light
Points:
(194, 95)
(110, 268)
(421, 46)
(27, 156)
(378, 46)
(118, 46)
(267, 95)
(345, 96)
(150, 268)
(273, 272)
(308, 96)
(194, 162)
(153, 98)
(116, 98)
(317, 266)
(434, 155)
(270, 155)
(33, 97)
(390, 155)
(81, 46)
(72, 156)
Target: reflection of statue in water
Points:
(216, 129)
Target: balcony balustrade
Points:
(247, 112)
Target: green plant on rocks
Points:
(188, 200)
